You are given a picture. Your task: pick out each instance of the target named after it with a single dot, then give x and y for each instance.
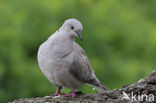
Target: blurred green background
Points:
(119, 39)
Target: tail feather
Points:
(95, 82)
(102, 86)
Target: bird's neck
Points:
(63, 42)
(64, 37)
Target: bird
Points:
(64, 63)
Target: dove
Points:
(63, 62)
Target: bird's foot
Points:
(58, 93)
(69, 95)
(55, 95)
(72, 94)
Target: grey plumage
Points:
(82, 70)
(63, 61)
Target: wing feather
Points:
(81, 68)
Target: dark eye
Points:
(72, 27)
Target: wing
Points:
(81, 68)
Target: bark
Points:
(146, 86)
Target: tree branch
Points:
(145, 86)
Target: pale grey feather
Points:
(63, 61)
(81, 68)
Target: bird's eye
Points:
(72, 27)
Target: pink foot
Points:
(70, 94)
(58, 92)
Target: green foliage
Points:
(119, 39)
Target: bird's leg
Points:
(72, 94)
(58, 92)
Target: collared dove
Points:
(64, 62)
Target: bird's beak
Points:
(79, 35)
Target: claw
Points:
(72, 94)
(58, 92)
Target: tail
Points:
(102, 86)
(97, 84)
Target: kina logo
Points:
(125, 96)
(138, 97)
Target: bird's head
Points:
(73, 27)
